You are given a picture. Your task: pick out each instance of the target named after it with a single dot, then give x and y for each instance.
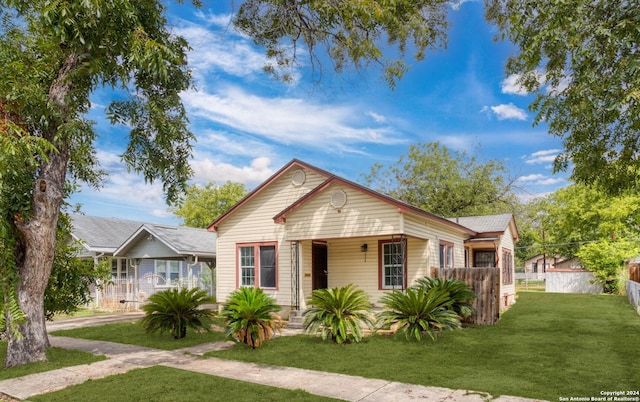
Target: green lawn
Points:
(57, 358)
(133, 334)
(546, 346)
(163, 384)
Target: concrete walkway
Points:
(123, 358)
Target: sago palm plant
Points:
(339, 314)
(461, 294)
(251, 316)
(175, 310)
(418, 311)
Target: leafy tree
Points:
(606, 259)
(339, 314)
(251, 316)
(71, 277)
(351, 32)
(199, 206)
(174, 311)
(444, 182)
(581, 60)
(577, 214)
(419, 311)
(55, 54)
(460, 293)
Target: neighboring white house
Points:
(305, 228)
(145, 257)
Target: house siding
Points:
(348, 265)
(508, 292)
(361, 216)
(154, 247)
(253, 223)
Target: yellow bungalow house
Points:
(305, 229)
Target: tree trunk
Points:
(39, 242)
(38, 233)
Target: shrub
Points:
(251, 316)
(461, 295)
(419, 311)
(338, 313)
(175, 310)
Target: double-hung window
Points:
(446, 254)
(257, 265)
(167, 272)
(392, 264)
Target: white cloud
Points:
(540, 179)
(288, 120)
(378, 118)
(531, 177)
(510, 85)
(220, 51)
(545, 156)
(509, 111)
(207, 170)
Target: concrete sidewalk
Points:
(123, 358)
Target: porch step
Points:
(295, 319)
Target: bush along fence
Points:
(485, 282)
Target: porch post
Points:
(295, 275)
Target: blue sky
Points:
(248, 125)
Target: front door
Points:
(319, 266)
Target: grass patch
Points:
(132, 333)
(530, 285)
(546, 346)
(57, 358)
(159, 384)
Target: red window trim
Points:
(381, 259)
(256, 247)
(453, 254)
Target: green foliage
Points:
(71, 278)
(251, 316)
(339, 314)
(460, 293)
(176, 310)
(352, 31)
(578, 214)
(419, 311)
(55, 54)
(581, 59)
(199, 206)
(446, 183)
(606, 259)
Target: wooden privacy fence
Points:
(634, 272)
(485, 282)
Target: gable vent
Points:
(298, 177)
(338, 199)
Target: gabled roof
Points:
(293, 163)
(111, 236)
(489, 225)
(402, 207)
(179, 239)
(101, 235)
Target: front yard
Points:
(547, 346)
